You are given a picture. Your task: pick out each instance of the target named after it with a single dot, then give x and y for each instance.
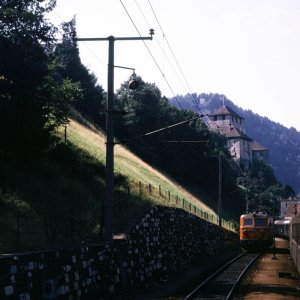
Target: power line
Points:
(153, 58)
(170, 48)
(139, 7)
(175, 59)
(157, 41)
(162, 129)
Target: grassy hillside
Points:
(127, 164)
(57, 200)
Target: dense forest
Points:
(283, 143)
(42, 83)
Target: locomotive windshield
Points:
(261, 222)
(248, 222)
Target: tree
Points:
(34, 100)
(141, 107)
(25, 36)
(70, 67)
(262, 186)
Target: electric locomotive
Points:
(255, 231)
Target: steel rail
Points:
(230, 294)
(193, 294)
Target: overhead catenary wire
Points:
(192, 96)
(153, 58)
(161, 129)
(158, 43)
(176, 98)
(175, 59)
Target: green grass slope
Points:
(57, 200)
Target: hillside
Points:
(57, 200)
(283, 143)
(127, 164)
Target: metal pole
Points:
(65, 135)
(220, 192)
(274, 245)
(247, 204)
(109, 169)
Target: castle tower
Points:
(229, 123)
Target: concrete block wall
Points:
(166, 240)
(62, 274)
(169, 239)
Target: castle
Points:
(242, 148)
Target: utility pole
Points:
(109, 168)
(220, 192)
(219, 186)
(247, 200)
(274, 244)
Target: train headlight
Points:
(246, 232)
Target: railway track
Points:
(223, 282)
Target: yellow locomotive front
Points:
(255, 231)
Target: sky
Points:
(246, 50)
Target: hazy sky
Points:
(248, 50)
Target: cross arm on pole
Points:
(91, 39)
(114, 38)
(135, 38)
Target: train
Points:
(256, 231)
(282, 228)
(289, 228)
(294, 235)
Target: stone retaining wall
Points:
(165, 241)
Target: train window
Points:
(248, 222)
(261, 222)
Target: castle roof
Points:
(234, 132)
(225, 110)
(258, 147)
